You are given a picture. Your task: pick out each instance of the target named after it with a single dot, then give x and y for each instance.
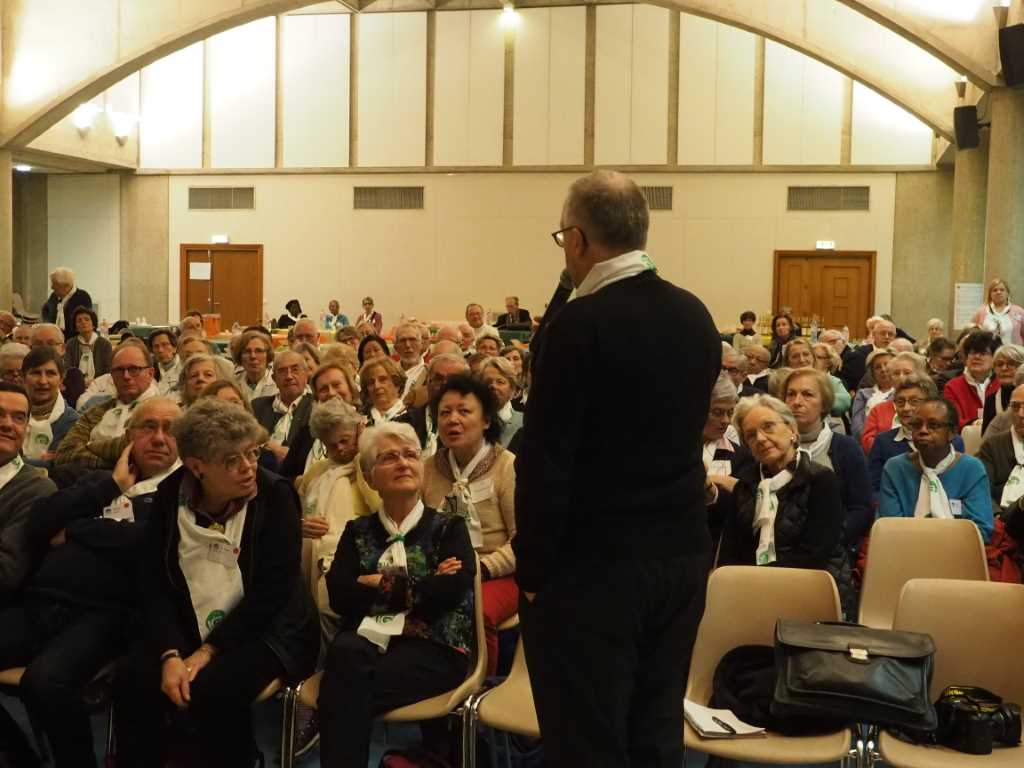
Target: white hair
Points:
(371, 437)
(63, 276)
(724, 389)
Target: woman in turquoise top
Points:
(959, 485)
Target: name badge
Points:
(956, 506)
(720, 467)
(481, 490)
(225, 554)
(120, 509)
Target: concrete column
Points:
(6, 229)
(970, 191)
(1004, 221)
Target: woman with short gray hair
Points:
(720, 453)
(499, 374)
(788, 511)
(1006, 361)
(227, 611)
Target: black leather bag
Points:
(874, 676)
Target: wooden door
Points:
(838, 286)
(226, 280)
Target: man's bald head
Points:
(610, 209)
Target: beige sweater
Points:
(497, 514)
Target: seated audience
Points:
(370, 317)
(8, 322)
(882, 416)
(305, 331)
(20, 486)
(380, 382)
(800, 354)
(227, 390)
(877, 389)
(447, 333)
(514, 314)
(256, 358)
(309, 353)
(488, 342)
(197, 373)
(334, 318)
(227, 611)
(901, 344)
(403, 582)
(934, 480)
(808, 393)
(348, 335)
(498, 374)
(78, 609)
(372, 347)
(87, 350)
(12, 355)
(758, 358)
(721, 455)
(734, 365)
(22, 335)
(968, 391)
(471, 476)
(936, 329)
(192, 324)
(941, 356)
(856, 366)
(64, 299)
(329, 381)
(467, 338)
(132, 373)
(787, 508)
(283, 415)
(164, 348)
(49, 335)
(51, 417)
(746, 334)
(517, 356)
(1005, 363)
(424, 417)
(292, 314)
(783, 332)
(1002, 455)
(476, 319)
(999, 315)
(409, 346)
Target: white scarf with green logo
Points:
(1014, 487)
(604, 273)
(932, 500)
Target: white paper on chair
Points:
(718, 723)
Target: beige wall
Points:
(482, 236)
(143, 220)
(922, 250)
(30, 277)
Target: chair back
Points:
(743, 605)
(977, 627)
(916, 548)
(971, 435)
(510, 706)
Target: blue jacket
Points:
(885, 447)
(965, 482)
(854, 488)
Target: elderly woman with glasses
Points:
(788, 508)
(722, 456)
(402, 580)
(883, 416)
(1005, 363)
(227, 612)
(254, 354)
(935, 480)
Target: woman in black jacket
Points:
(227, 611)
(787, 509)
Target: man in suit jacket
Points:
(285, 414)
(64, 300)
(855, 366)
(597, 526)
(514, 315)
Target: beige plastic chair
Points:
(18, 307)
(743, 605)
(971, 435)
(507, 707)
(308, 693)
(977, 628)
(916, 548)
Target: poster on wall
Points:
(967, 297)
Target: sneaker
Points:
(308, 736)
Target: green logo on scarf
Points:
(214, 618)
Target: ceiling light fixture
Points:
(22, 168)
(83, 116)
(509, 17)
(961, 86)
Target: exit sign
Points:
(825, 245)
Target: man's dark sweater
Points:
(98, 563)
(599, 481)
(17, 498)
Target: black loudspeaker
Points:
(965, 124)
(1011, 54)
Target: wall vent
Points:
(658, 198)
(387, 198)
(829, 199)
(221, 198)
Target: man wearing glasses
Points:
(612, 546)
(131, 369)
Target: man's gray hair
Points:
(724, 389)
(143, 409)
(747, 404)
(759, 350)
(445, 347)
(63, 276)
(449, 358)
(327, 416)
(415, 326)
(369, 441)
(920, 363)
(213, 428)
(610, 209)
(729, 352)
(40, 326)
(280, 356)
(13, 350)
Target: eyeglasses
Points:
(1004, 363)
(389, 458)
(766, 428)
(1017, 406)
(151, 427)
(559, 236)
(730, 369)
(913, 402)
(933, 426)
(131, 371)
(721, 413)
(233, 462)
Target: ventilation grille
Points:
(829, 199)
(220, 198)
(388, 198)
(658, 198)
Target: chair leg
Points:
(288, 704)
(111, 750)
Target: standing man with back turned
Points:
(612, 545)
